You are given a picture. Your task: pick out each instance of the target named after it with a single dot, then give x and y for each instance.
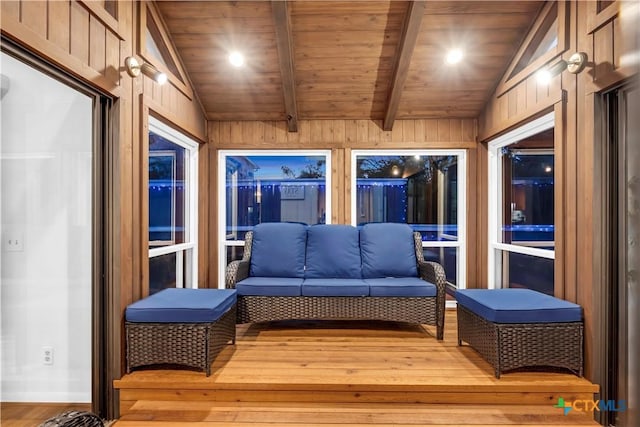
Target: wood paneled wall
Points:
(90, 43)
(427, 133)
(342, 136)
(81, 36)
(605, 36)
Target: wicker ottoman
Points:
(520, 328)
(187, 327)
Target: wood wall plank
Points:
(10, 10)
(58, 24)
(603, 51)
(408, 130)
(203, 218)
(80, 31)
(482, 219)
(212, 192)
(112, 58)
(97, 42)
(34, 16)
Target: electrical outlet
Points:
(12, 242)
(47, 355)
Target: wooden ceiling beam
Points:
(284, 41)
(408, 39)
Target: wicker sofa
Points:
(293, 271)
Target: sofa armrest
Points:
(235, 272)
(434, 273)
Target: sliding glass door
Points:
(50, 237)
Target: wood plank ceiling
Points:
(380, 60)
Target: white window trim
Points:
(461, 243)
(495, 195)
(191, 246)
(222, 200)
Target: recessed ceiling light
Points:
(236, 59)
(454, 56)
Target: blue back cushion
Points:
(333, 251)
(278, 250)
(387, 250)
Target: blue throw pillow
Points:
(333, 251)
(387, 250)
(278, 250)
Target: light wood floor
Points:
(348, 374)
(33, 414)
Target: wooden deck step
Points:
(312, 414)
(348, 373)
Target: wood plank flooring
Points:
(348, 374)
(33, 414)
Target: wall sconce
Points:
(574, 65)
(134, 68)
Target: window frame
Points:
(190, 246)
(461, 242)
(223, 243)
(510, 79)
(494, 228)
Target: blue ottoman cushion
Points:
(270, 286)
(401, 287)
(182, 305)
(518, 306)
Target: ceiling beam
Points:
(282, 22)
(410, 31)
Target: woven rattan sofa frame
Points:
(74, 418)
(193, 345)
(421, 310)
(508, 346)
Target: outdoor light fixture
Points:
(134, 68)
(574, 65)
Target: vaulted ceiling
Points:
(380, 60)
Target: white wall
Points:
(45, 279)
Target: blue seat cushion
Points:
(278, 250)
(333, 251)
(518, 306)
(182, 305)
(334, 288)
(270, 286)
(401, 287)
(387, 250)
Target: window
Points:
(173, 160)
(425, 189)
(521, 208)
(269, 186)
(544, 40)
